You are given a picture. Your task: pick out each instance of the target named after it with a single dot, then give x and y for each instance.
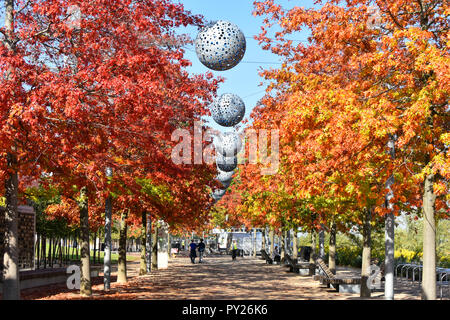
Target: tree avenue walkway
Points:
(218, 278)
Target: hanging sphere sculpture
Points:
(228, 110)
(226, 183)
(229, 144)
(220, 45)
(215, 197)
(224, 176)
(226, 164)
(218, 194)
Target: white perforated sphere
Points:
(228, 144)
(226, 183)
(228, 110)
(215, 197)
(224, 176)
(226, 164)
(220, 45)
(218, 194)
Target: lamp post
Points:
(107, 257)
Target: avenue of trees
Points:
(362, 110)
(91, 85)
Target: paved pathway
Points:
(217, 279)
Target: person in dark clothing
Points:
(276, 255)
(234, 249)
(193, 253)
(201, 250)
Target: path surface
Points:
(217, 279)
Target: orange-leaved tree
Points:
(352, 89)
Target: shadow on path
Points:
(218, 278)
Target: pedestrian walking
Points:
(201, 251)
(234, 250)
(193, 253)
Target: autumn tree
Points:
(76, 98)
(352, 88)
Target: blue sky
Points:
(243, 79)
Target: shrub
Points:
(444, 261)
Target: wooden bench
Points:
(266, 257)
(348, 285)
(304, 269)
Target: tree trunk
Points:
(107, 252)
(283, 245)
(77, 248)
(95, 248)
(38, 253)
(263, 244)
(169, 244)
(55, 251)
(389, 233)
(429, 241)
(313, 247)
(44, 250)
(288, 241)
(229, 242)
(322, 243)
(143, 265)
(11, 282)
(312, 256)
(66, 253)
(73, 248)
(60, 252)
(272, 240)
(122, 262)
(148, 242)
(294, 244)
(85, 278)
(332, 249)
(367, 243)
(155, 245)
(50, 252)
(11, 287)
(389, 249)
(254, 242)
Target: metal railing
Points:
(408, 271)
(443, 274)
